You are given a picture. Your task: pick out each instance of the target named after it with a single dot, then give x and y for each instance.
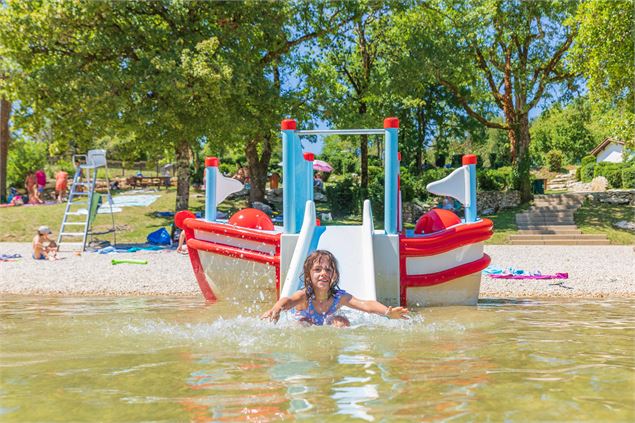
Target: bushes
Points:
(628, 176)
(343, 196)
(587, 159)
(24, 156)
(554, 160)
(495, 179)
(611, 171)
(587, 171)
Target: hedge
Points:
(586, 174)
(554, 159)
(628, 177)
(611, 171)
(495, 179)
(587, 159)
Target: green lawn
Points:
(594, 218)
(133, 224)
(504, 225)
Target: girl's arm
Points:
(371, 306)
(284, 303)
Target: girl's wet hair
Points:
(315, 257)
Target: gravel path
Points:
(594, 271)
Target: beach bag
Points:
(160, 237)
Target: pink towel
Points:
(537, 276)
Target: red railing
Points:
(446, 240)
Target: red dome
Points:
(252, 218)
(436, 220)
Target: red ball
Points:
(253, 219)
(436, 220)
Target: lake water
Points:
(178, 359)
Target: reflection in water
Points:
(127, 359)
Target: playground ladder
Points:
(82, 204)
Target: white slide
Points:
(352, 246)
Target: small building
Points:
(609, 150)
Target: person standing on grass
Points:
(61, 185)
(40, 177)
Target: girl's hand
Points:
(273, 314)
(396, 312)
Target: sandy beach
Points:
(594, 271)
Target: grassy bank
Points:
(133, 224)
(594, 218)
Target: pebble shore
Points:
(594, 271)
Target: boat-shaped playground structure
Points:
(249, 259)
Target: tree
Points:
(162, 73)
(344, 79)
(150, 72)
(5, 108)
(264, 40)
(564, 129)
(504, 52)
(603, 52)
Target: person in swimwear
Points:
(320, 299)
(43, 247)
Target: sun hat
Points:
(44, 230)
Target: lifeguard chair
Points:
(82, 204)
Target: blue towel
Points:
(9, 256)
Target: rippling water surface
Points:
(160, 359)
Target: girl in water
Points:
(321, 298)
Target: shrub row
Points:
(345, 196)
(618, 175)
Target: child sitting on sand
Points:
(43, 247)
(321, 298)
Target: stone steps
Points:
(549, 232)
(544, 222)
(550, 222)
(546, 213)
(562, 242)
(559, 237)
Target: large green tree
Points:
(604, 52)
(344, 78)
(504, 52)
(265, 41)
(162, 73)
(149, 71)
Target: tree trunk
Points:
(5, 109)
(258, 168)
(182, 155)
(522, 161)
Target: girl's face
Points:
(322, 274)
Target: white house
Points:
(609, 150)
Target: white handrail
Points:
(292, 280)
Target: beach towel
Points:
(134, 200)
(9, 257)
(530, 276)
(511, 273)
(110, 249)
